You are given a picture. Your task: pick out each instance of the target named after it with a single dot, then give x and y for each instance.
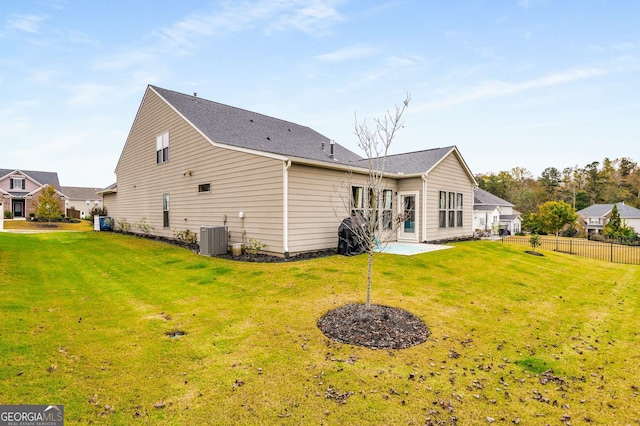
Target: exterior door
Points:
(409, 229)
(18, 208)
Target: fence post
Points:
(611, 252)
(570, 246)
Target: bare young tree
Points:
(372, 222)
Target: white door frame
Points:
(403, 236)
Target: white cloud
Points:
(309, 16)
(349, 53)
(88, 94)
(26, 23)
(491, 89)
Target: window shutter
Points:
(10, 183)
(23, 184)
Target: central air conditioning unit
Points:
(214, 240)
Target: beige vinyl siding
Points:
(318, 202)
(240, 182)
(449, 176)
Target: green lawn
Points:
(84, 317)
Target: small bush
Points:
(569, 232)
(97, 211)
(254, 246)
(8, 215)
(144, 227)
(123, 226)
(186, 236)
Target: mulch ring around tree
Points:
(379, 327)
(535, 253)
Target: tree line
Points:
(606, 182)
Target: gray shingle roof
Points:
(601, 210)
(246, 129)
(241, 128)
(412, 162)
(43, 178)
(482, 197)
(81, 193)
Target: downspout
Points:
(424, 207)
(285, 207)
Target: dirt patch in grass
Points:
(378, 327)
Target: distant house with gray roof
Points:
(595, 217)
(19, 189)
(492, 214)
(81, 199)
(189, 162)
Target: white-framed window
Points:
(204, 187)
(165, 210)
(442, 209)
(17, 182)
(387, 209)
(357, 201)
(361, 198)
(162, 148)
(459, 215)
(450, 209)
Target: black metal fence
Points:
(610, 251)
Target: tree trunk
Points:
(369, 267)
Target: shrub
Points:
(123, 226)
(8, 214)
(97, 211)
(186, 236)
(534, 240)
(144, 227)
(254, 246)
(570, 232)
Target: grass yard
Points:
(40, 226)
(87, 319)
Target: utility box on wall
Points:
(214, 240)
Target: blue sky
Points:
(520, 83)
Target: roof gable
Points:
(231, 126)
(603, 210)
(38, 177)
(80, 193)
(482, 197)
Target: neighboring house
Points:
(595, 217)
(493, 214)
(189, 162)
(19, 189)
(81, 199)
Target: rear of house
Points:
(189, 162)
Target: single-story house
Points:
(81, 200)
(19, 189)
(189, 162)
(596, 216)
(493, 214)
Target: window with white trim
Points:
(162, 148)
(360, 199)
(204, 187)
(450, 210)
(459, 212)
(17, 183)
(165, 210)
(442, 210)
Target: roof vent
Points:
(195, 94)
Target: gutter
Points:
(285, 207)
